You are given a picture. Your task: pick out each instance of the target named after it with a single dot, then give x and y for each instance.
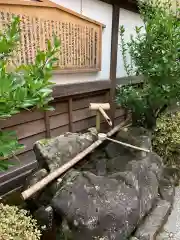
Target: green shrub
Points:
(166, 140)
(154, 53)
(17, 224)
(23, 87)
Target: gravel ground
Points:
(171, 230)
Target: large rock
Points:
(110, 193)
(108, 207)
(113, 150)
(113, 158)
(96, 163)
(141, 176)
(44, 196)
(44, 217)
(139, 137)
(33, 179)
(53, 153)
(166, 190)
(134, 135)
(96, 206)
(167, 184)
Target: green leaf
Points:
(26, 86)
(40, 57)
(4, 165)
(49, 45)
(46, 90)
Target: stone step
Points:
(153, 223)
(171, 230)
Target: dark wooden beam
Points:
(113, 63)
(47, 124)
(129, 80)
(72, 89)
(130, 5)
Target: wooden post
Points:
(113, 64)
(98, 121)
(47, 124)
(70, 115)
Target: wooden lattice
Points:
(80, 37)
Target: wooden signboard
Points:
(80, 36)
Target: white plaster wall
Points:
(74, 5)
(129, 20)
(98, 11)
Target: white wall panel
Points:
(101, 12)
(129, 20)
(98, 11)
(74, 5)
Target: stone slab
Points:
(152, 224)
(171, 230)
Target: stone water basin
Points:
(112, 194)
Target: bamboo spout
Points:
(100, 108)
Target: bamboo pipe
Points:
(103, 135)
(95, 106)
(52, 176)
(108, 120)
